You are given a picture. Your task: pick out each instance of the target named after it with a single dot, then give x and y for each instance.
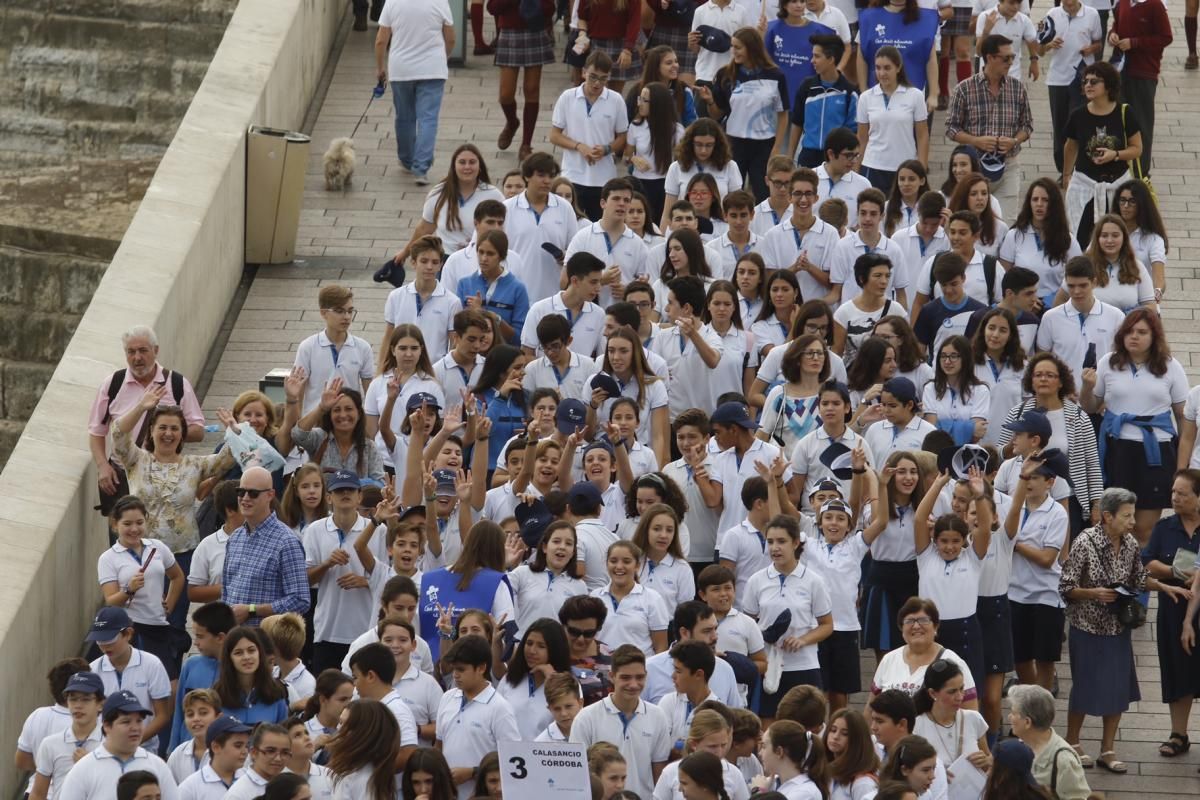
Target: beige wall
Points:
(176, 270)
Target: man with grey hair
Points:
(121, 392)
(1056, 764)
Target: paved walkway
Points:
(344, 238)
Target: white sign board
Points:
(545, 770)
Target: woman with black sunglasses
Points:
(581, 618)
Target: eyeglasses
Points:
(915, 622)
(699, 193)
(816, 330)
(781, 185)
(594, 78)
(1008, 59)
(576, 633)
(275, 752)
(642, 305)
(254, 493)
(813, 354)
(804, 195)
(852, 155)
(949, 356)
(1126, 201)
(342, 312)
(1092, 81)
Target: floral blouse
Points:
(1092, 564)
(169, 490)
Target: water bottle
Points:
(213, 428)
(378, 91)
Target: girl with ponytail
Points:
(710, 734)
(322, 712)
(791, 754)
(700, 777)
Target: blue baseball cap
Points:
(734, 413)
(533, 518)
(224, 725)
(1034, 422)
(571, 414)
(902, 389)
(446, 483)
(85, 682)
(343, 479)
(108, 624)
(587, 493)
(418, 399)
(602, 380)
(125, 702)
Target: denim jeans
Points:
(418, 104)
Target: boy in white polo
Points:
(425, 302)
(584, 275)
(611, 241)
(836, 174)
(334, 351)
(374, 669)
(1081, 330)
(473, 718)
(723, 252)
(123, 666)
(95, 776)
(344, 602)
(228, 741)
(868, 239)
(560, 368)
(270, 750)
(641, 731)
(589, 124)
(802, 243)
(58, 752)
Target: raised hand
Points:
(329, 394)
(294, 383)
(226, 419)
(153, 397)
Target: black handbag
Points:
(1130, 613)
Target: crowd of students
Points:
(658, 442)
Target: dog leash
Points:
(376, 92)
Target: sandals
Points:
(1108, 760)
(1176, 745)
(1085, 760)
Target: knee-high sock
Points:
(477, 25)
(529, 115)
(964, 69)
(1189, 30)
(510, 113)
(944, 76)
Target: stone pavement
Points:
(345, 237)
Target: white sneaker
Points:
(421, 179)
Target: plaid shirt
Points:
(973, 109)
(266, 565)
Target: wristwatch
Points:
(253, 610)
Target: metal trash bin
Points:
(276, 162)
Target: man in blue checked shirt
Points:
(264, 572)
(493, 288)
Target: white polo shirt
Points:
(627, 251)
(1017, 30)
(595, 123)
(434, 316)
(248, 786)
(144, 675)
(891, 141)
(800, 787)
(844, 188)
(953, 405)
(769, 371)
(541, 594)
(686, 369)
(528, 230)
(672, 578)
(746, 547)
(118, 564)
(470, 729)
(1068, 333)
(1148, 247)
(976, 281)
(1191, 412)
(404, 718)
(952, 585)
(840, 565)
(95, 776)
(700, 520)
(633, 619)
(353, 362)
(915, 251)
(422, 694)
(56, 755)
(208, 560)
(667, 787)
(884, 438)
(1042, 527)
(766, 218)
(679, 711)
(592, 539)
(1077, 32)
(847, 251)
(803, 592)
(654, 396)
(1023, 248)
(722, 256)
(727, 179)
(727, 18)
(806, 458)
(644, 739)
(206, 785)
(40, 723)
(569, 383)
(783, 244)
(422, 658)
(453, 378)
(339, 611)
(375, 400)
(183, 762)
(587, 327)
(454, 240)
(528, 701)
(1141, 392)
(731, 472)
(465, 262)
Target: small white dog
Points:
(339, 164)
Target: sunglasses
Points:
(576, 633)
(254, 493)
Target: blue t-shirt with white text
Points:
(878, 27)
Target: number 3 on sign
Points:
(555, 770)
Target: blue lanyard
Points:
(334, 351)
(625, 722)
(922, 244)
(420, 302)
(682, 343)
(607, 242)
(995, 369)
(559, 376)
(341, 534)
(798, 238)
(135, 556)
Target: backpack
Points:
(989, 276)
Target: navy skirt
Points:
(1103, 676)
(995, 622)
(965, 638)
(889, 585)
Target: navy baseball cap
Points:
(343, 480)
(734, 413)
(902, 389)
(108, 624)
(533, 518)
(571, 414)
(86, 682)
(1054, 464)
(959, 460)
(125, 702)
(713, 39)
(826, 485)
(411, 511)
(446, 483)
(602, 380)
(1034, 422)
(223, 725)
(418, 399)
(587, 492)
(1017, 757)
(600, 444)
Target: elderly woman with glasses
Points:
(1055, 763)
(165, 478)
(904, 668)
(1100, 583)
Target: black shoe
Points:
(360, 22)
(390, 272)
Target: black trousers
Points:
(588, 199)
(752, 156)
(1063, 100)
(328, 655)
(1139, 93)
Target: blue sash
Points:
(440, 587)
